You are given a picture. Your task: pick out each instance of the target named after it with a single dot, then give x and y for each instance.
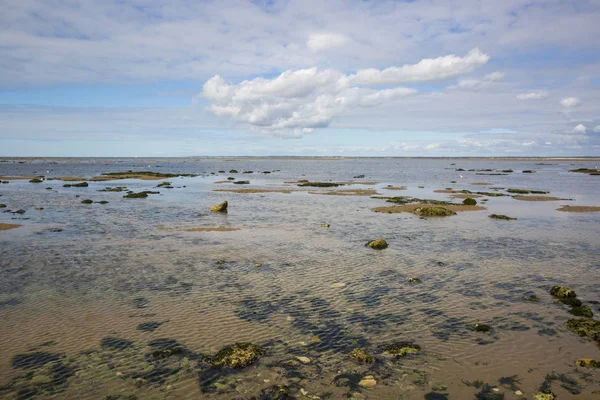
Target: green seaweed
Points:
(362, 356)
(236, 356)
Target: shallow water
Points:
(117, 265)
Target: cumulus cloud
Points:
(428, 69)
(570, 102)
(539, 95)
(318, 42)
(581, 129)
(597, 129)
(293, 103)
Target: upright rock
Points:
(219, 208)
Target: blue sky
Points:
(388, 78)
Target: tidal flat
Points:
(143, 292)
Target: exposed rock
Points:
(470, 202)
(562, 292)
(87, 201)
(481, 328)
(433, 211)
(140, 195)
(220, 208)
(588, 363)
(303, 359)
(499, 216)
(544, 396)
(319, 184)
(377, 244)
(81, 184)
(239, 355)
(325, 225)
(368, 381)
(241, 182)
(362, 356)
(414, 280)
(402, 348)
(36, 180)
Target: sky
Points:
(430, 78)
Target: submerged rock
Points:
(499, 216)
(220, 208)
(532, 298)
(402, 348)
(582, 311)
(571, 301)
(433, 212)
(276, 392)
(239, 355)
(362, 356)
(33, 360)
(585, 327)
(377, 244)
(115, 343)
(482, 327)
(562, 292)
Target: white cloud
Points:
(293, 103)
(597, 129)
(570, 102)
(539, 95)
(581, 129)
(428, 69)
(479, 83)
(318, 42)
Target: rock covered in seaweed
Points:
(401, 349)
(433, 212)
(220, 207)
(362, 356)
(236, 356)
(562, 292)
(377, 244)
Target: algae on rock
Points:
(562, 292)
(361, 355)
(377, 244)
(220, 207)
(238, 355)
(402, 348)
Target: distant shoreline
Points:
(301, 158)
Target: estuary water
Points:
(133, 299)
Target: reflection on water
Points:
(118, 299)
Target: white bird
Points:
(461, 176)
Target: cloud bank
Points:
(296, 102)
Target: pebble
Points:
(302, 359)
(519, 393)
(368, 381)
(338, 285)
